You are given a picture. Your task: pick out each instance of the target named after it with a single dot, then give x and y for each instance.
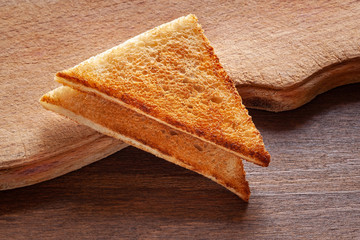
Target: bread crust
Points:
(249, 146)
(145, 133)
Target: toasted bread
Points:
(150, 135)
(172, 75)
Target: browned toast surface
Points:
(134, 128)
(171, 74)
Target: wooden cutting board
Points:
(280, 54)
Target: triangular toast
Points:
(172, 75)
(150, 135)
(165, 92)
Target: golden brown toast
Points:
(150, 135)
(172, 75)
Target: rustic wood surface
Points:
(277, 49)
(311, 190)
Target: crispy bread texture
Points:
(172, 75)
(150, 135)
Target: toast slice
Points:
(150, 135)
(171, 75)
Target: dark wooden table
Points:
(310, 190)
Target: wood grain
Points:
(311, 190)
(275, 50)
(283, 53)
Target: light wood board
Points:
(277, 52)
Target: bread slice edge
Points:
(258, 159)
(245, 194)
